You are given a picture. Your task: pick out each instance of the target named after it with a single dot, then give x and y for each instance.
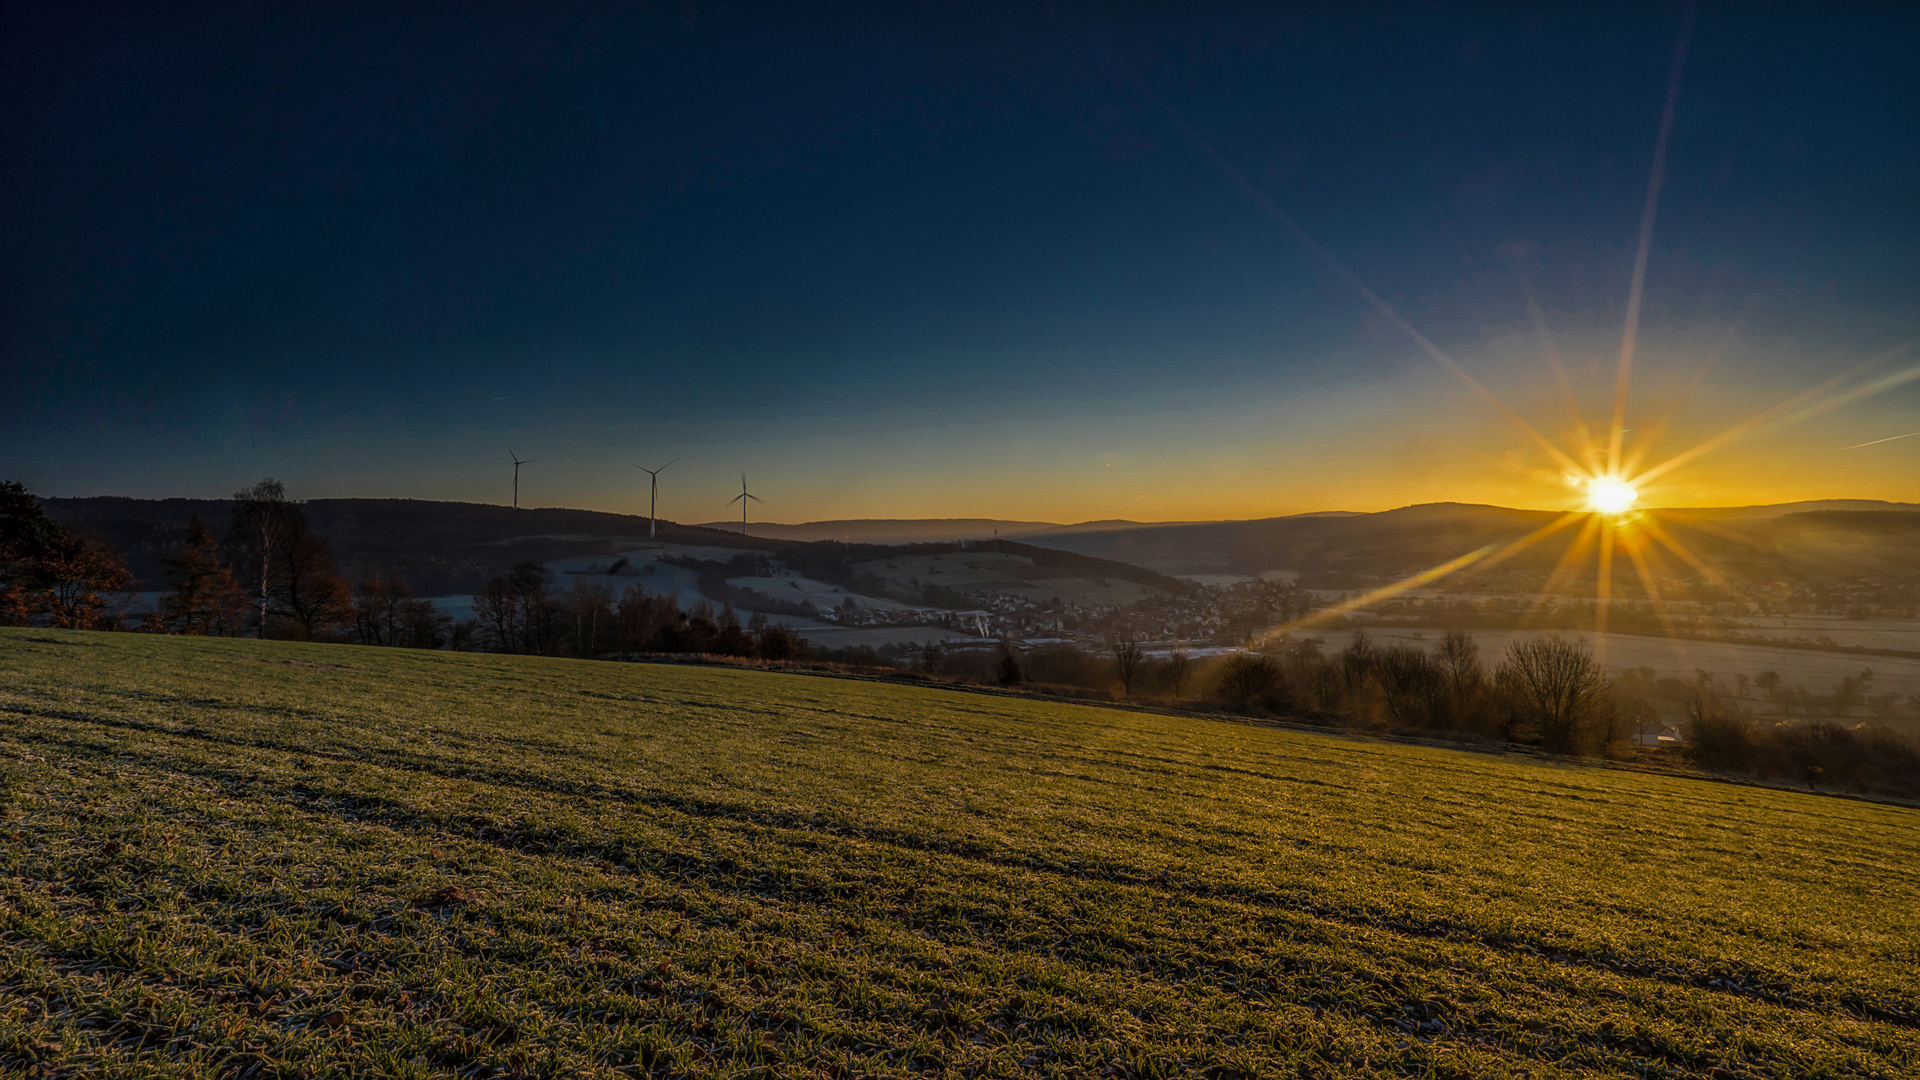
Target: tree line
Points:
(268, 574)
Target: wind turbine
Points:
(653, 503)
(742, 499)
(517, 462)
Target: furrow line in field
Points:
(1731, 979)
(1488, 1029)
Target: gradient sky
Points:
(911, 260)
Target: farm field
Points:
(234, 858)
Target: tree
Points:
(1413, 688)
(1850, 691)
(1559, 687)
(295, 589)
(51, 573)
(1463, 679)
(385, 612)
(1008, 670)
(422, 626)
(646, 622)
(1459, 658)
(515, 612)
(1177, 670)
(1128, 663)
(24, 530)
(74, 569)
(1245, 676)
(311, 597)
(773, 642)
(1357, 659)
(205, 601)
(256, 534)
(591, 602)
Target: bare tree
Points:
(1459, 656)
(1357, 659)
(312, 597)
(1245, 676)
(1128, 662)
(1413, 688)
(380, 610)
(1177, 669)
(1559, 687)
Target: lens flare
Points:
(1611, 495)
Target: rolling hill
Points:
(444, 548)
(237, 858)
(1834, 538)
(890, 530)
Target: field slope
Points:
(231, 859)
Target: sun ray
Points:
(1583, 435)
(1652, 527)
(1603, 594)
(1644, 445)
(1848, 397)
(1637, 288)
(1797, 401)
(1489, 555)
(1386, 310)
(1707, 526)
(1562, 569)
(1385, 592)
(1650, 582)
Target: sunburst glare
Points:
(1611, 495)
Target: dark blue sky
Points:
(925, 260)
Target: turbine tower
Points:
(743, 499)
(517, 462)
(653, 502)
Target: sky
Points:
(974, 260)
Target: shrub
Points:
(1245, 677)
(1064, 665)
(1412, 688)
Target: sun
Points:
(1610, 495)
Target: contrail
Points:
(1877, 442)
(1637, 288)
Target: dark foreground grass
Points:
(231, 859)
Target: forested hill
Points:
(441, 548)
(449, 548)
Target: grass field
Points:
(231, 859)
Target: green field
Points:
(234, 858)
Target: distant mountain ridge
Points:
(446, 548)
(888, 530)
(1760, 540)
